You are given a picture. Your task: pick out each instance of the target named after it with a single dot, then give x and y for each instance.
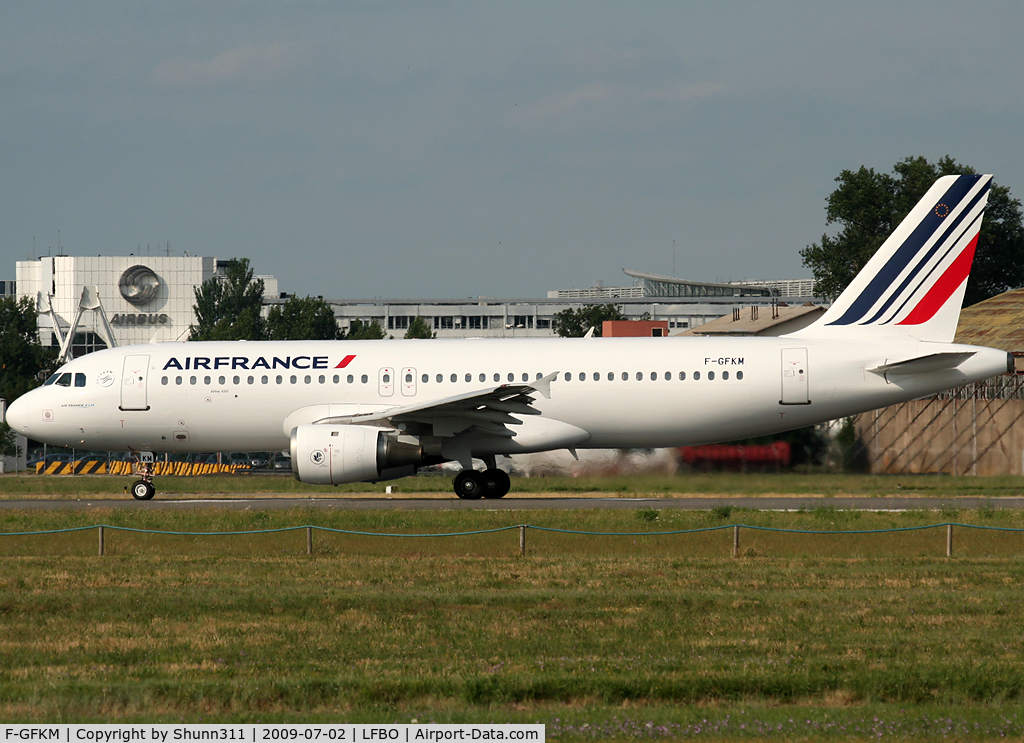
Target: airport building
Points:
(682, 304)
(90, 302)
(86, 303)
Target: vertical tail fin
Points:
(914, 285)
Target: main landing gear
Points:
(144, 489)
(492, 483)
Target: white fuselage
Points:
(624, 392)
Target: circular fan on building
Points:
(139, 284)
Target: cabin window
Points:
(725, 375)
(251, 380)
(322, 379)
(350, 379)
(163, 380)
(307, 379)
(425, 378)
(654, 376)
(192, 380)
(639, 376)
(469, 377)
(222, 381)
(568, 376)
(711, 376)
(454, 378)
(483, 377)
(739, 375)
(364, 379)
(337, 378)
(177, 381)
(625, 376)
(208, 380)
(264, 379)
(583, 376)
(236, 380)
(668, 376)
(696, 375)
(280, 379)
(682, 376)
(526, 377)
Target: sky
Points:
(478, 149)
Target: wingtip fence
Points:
(521, 528)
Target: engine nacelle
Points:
(331, 455)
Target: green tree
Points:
(303, 318)
(419, 328)
(574, 323)
(869, 205)
(22, 359)
(229, 307)
(363, 331)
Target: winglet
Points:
(543, 385)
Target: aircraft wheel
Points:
(142, 490)
(496, 483)
(469, 485)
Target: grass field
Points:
(822, 636)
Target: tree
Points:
(303, 318)
(869, 205)
(574, 323)
(361, 331)
(419, 328)
(22, 358)
(229, 307)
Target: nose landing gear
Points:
(144, 489)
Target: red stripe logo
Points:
(345, 361)
(943, 289)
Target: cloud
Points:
(244, 65)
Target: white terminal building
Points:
(86, 303)
(90, 302)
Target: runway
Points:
(531, 503)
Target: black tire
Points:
(469, 485)
(142, 490)
(496, 483)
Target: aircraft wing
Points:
(490, 410)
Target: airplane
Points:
(355, 411)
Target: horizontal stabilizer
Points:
(922, 364)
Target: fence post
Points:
(522, 540)
(101, 539)
(736, 540)
(949, 540)
(309, 540)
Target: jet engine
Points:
(331, 455)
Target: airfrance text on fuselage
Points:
(244, 362)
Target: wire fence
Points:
(663, 542)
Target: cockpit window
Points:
(52, 379)
(64, 380)
(79, 379)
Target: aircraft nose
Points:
(17, 415)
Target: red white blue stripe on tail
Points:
(914, 284)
